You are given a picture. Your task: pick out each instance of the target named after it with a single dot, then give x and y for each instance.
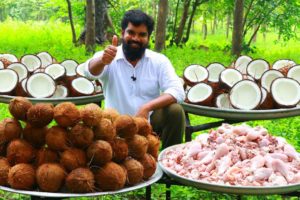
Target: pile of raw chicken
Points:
(236, 155)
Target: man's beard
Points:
(132, 53)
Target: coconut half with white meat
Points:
(223, 101)
(20, 69)
(98, 86)
(283, 65)
(60, 92)
(70, 66)
(10, 57)
(9, 80)
(56, 71)
(32, 62)
(268, 77)
(257, 67)
(40, 85)
(229, 77)
(80, 69)
(294, 73)
(241, 63)
(194, 74)
(245, 95)
(1, 65)
(21, 88)
(285, 92)
(81, 86)
(46, 58)
(201, 94)
(266, 99)
(214, 71)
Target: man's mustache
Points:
(134, 42)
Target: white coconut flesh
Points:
(9, 57)
(245, 95)
(268, 77)
(286, 91)
(241, 63)
(222, 101)
(83, 86)
(256, 68)
(283, 63)
(20, 69)
(1, 65)
(9, 80)
(248, 77)
(264, 93)
(195, 73)
(40, 85)
(80, 69)
(32, 62)
(60, 92)
(214, 71)
(56, 71)
(70, 66)
(199, 93)
(23, 84)
(294, 73)
(230, 76)
(46, 58)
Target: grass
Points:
(32, 37)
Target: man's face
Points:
(135, 40)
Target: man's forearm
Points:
(96, 66)
(160, 102)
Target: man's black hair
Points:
(137, 17)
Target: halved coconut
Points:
(248, 77)
(229, 77)
(80, 69)
(46, 58)
(5, 62)
(9, 80)
(32, 62)
(214, 71)
(245, 95)
(294, 73)
(21, 88)
(98, 86)
(285, 92)
(56, 71)
(222, 101)
(283, 63)
(268, 77)
(70, 66)
(40, 85)
(1, 65)
(201, 94)
(60, 92)
(257, 67)
(194, 74)
(266, 100)
(10, 57)
(82, 86)
(20, 69)
(241, 63)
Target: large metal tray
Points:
(154, 178)
(234, 114)
(250, 190)
(76, 100)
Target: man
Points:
(138, 81)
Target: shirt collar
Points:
(120, 54)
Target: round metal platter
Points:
(234, 114)
(250, 190)
(155, 177)
(76, 100)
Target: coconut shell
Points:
(91, 114)
(126, 126)
(154, 144)
(138, 146)
(81, 136)
(144, 127)
(105, 130)
(21, 91)
(72, 159)
(36, 136)
(11, 129)
(50, 177)
(80, 180)
(18, 107)
(21, 177)
(149, 164)
(40, 114)
(99, 152)
(20, 151)
(110, 177)
(4, 168)
(56, 138)
(135, 171)
(5, 62)
(45, 155)
(3, 145)
(110, 113)
(66, 114)
(120, 149)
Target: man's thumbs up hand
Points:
(110, 51)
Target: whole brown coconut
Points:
(66, 114)
(138, 146)
(91, 114)
(3, 145)
(72, 159)
(20, 151)
(4, 168)
(81, 136)
(110, 177)
(40, 114)
(56, 138)
(105, 130)
(135, 171)
(144, 127)
(154, 144)
(126, 126)
(50, 177)
(18, 107)
(36, 136)
(120, 149)
(149, 165)
(11, 129)
(80, 180)
(99, 152)
(21, 177)
(110, 113)
(45, 155)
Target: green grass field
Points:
(29, 38)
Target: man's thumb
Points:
(115, 41)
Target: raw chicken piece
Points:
(290, 151)
(262, 174)
(279, 166)
(257, 162)
(194, 149)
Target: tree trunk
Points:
(187, 35)
(71, 21)
(154, 9)
(175, 23)
(215, 23)
(182, 21)
(100, 20)
(228, 23)
(255, 34)
(204, 27)
(237, 35)
(90, 26)
(161, 26)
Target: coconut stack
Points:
(246, 84)
(42, 76)
(66, 149)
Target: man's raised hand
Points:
(110, 51)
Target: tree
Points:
(71, 21)
(182, 22)
(160, 36)
(90, 26)
(237, 35)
